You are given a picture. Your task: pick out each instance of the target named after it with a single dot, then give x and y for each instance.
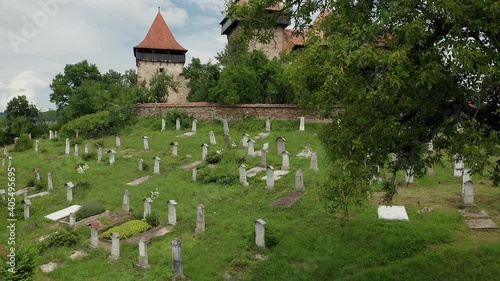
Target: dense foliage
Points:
(127, 229)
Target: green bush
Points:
(27, 257)
(98, 124)
(83, 185)
(495, 174)
(90, 209)
(43, 150)
(89, 156)
(23, 143)
(78, 141)
(222, 174)
(99, 143)
(152, 219)
(66, 237)
(128, 229)
(186, 120)
(213, 157)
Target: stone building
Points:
(160, 52)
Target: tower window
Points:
(162, 69)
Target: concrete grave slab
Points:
(155, 232)
(392, 213)
(261, 136)
(191, 165)
(481, 224)
(38, 194)
(63, 213)
(304, 154)
(138, 181)
(277, 174)
(288, 199)
(188, 134)
(49, 267)
(24, 190)
(77, 253)
(253, 172)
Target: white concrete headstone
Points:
(200, 219)
(204, 151)
(270, 177)
(172, 214)
(285, 163)
(146, 142)
(260, 233)
(67, 147)
(302, 124)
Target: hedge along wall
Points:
(215, 111)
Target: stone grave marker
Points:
(465, 178)
(67, 147)
(140, 165)
(244, 140)
(212, 138)
(55, 134)
(51, 134)
(227, 141)
(86, 149)
(409, 175)
(285, 163)
(163, 124)
(268, 125)
(94, 234)
(270, 177)
(204, 151)
(10, 161)
(156, 165)
(468, 194)
(263, 158)
(76, 150)
(280, 142)
(299, 180)
(146, 142)
(430, 147)
(115, 246)
(3, 160)
(177, 258)
(99, 154)
(193, 125)
(72, 220)
(178, 124)
(265, 146)
(69, 191)
(143, 254)
(314, 162)
(243, 175)
(2, 193)
(194, 174)
(392, 213)
(27, 204)
(37, 143)
(226, 126)
(37, 174)
(260, 233)
(5, 150)
(302, 125)
(16, 139)
(200, 218)
(175, 146)
(112, 155)
(172, 214)
(430, 171)
(126, 201)
(147, 207)
(251, 148)
(118, 141)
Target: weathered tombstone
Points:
(147, 207)
(156, 169)
(178, 124)
(51, 134)
(29, 135)
(72, 220)
(86, 149)
(140, 165)
(76, 150)
(243, 175)
(55, 134)
(227, 141)
(3, 160)
(260, 233)
(50, 184)
(112, 155)
(268, 124)
(172, 214)
(177, 258)
(263, 158)
(25, 195)
(212, 138)
(10, 161)
(27, 204)
(118, 141)
(143, 254)
(458, 166)
(5, 150)
(115, 246)
(99, 154)
(67, 147)
(175, 146)
(193, 125)
(126, 201)
(280, 142)
(244, 140)
(430, 147)
(302, 124)
(285, 163)
(76, 131)
(16, 139)
(69, 191)
(270, 177)
(146, 143)
(204, 151)
(409, 175)
(200, 219)
(37, 143)
(299, 180)
(430, 171)
(468, 194)
(163, 124)
(314, 162)
(251, 148)
(37, 174)
(94, 234)
(2, 193)
(195, 174)
(265, 146)
(226, 126)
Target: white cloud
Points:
(25, 83)
(211, 5)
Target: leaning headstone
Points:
(285, 163)
(204, 151)
(314, 162)
(268, 125)
(112, 155)
(86, 151)
(126, 201)
(270, 177)
(244, 140)
(212, 138)
(175, 146)
(200, 219)
(226, 126)
(243, 175)
(299, 180)
(115, 246)
(118, 141)
(178, 124)
(2, 193)
(69, 191)
(251, 148)
(27, 204)
(37, 143)
(280, 142)
(193, 126)
(146, 143)
(195, 174)
(76, 150)
(260, 233)
(302, 124)
(147, 207)
(143, 254)
(263, 158)
(468, 194)
(177, 258)
(227, 141)
(409, 175)
(172, 214)
(99, 154)
(72, 220)
(50, 184)
(67, 147)
(94, 234)
(140, 165)
(163, 124)
(156, 165)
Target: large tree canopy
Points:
(405, 73)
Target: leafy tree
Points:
(20, 107)
(404, 72)
(202, 79)
(159, 86)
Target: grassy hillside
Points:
(311, 245)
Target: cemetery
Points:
(238, 200)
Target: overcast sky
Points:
(39, 37)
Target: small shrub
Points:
(83, 185)
(495, 174)
(89, 156)
(186, 120)
(66, 237)
(55, 140)
(27, 257)
(39, 186)
(31, 183)
(90, 209)
(145, 166)
(214, 157)
(128, 229)
(78, 141)
(222, 174)
(23, 143)
(152, 219)
(240, 160)
(43, 150)
(137, 215)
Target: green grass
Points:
(312, 245)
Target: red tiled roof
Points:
(160, 37)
